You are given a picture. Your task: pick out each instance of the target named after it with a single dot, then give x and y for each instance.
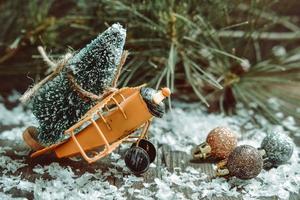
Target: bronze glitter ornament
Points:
(219, 143)
(276, 149)
(244, 162)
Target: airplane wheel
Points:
(148, 147)
(137, 160)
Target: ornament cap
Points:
(221, 168)
(222, 172)
(201, 151)
(262, 152)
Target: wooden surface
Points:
(165, 157)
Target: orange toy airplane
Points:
(108, 124)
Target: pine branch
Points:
(260, 35)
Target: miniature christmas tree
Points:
(57, 105)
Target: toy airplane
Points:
(108, 124)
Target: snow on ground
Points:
(188, 125)
(181, 129)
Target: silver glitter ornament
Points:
(276, 149)
(244, 162)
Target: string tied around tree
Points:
(56, 67)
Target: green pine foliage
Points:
(221, 52)
(57, 106)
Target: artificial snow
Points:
(16, 116)
(187, 125)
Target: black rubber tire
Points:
(148, 147)
(137, 160)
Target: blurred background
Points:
(222, 53)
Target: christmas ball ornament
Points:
(276, 149)
(244, 162)
(219, 143)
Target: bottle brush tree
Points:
(57, 105)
